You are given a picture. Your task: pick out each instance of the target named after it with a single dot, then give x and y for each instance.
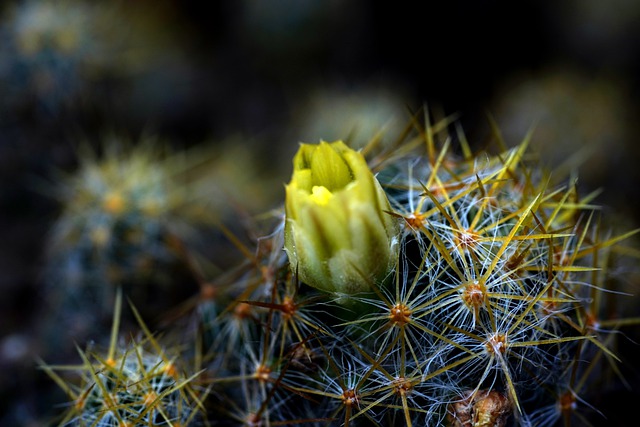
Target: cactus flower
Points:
(337, 235)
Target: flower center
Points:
(320, 195)
(400, 314)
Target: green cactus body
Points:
(488, 312)
(485, 313)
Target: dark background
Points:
(268, 72)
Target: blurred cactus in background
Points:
(135, 215)
(497, 308)
(60, 55)
(52, 49)
(581, 121)
(355, 115)
(127, 212)
(121, 211)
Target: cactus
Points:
(55, 49)
(73, 56)
(483, 305)
(134, 384)
(124, 215)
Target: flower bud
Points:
(337, 235)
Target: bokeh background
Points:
(252, 78)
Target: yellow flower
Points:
(337, 235)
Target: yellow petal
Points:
(329, 169)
